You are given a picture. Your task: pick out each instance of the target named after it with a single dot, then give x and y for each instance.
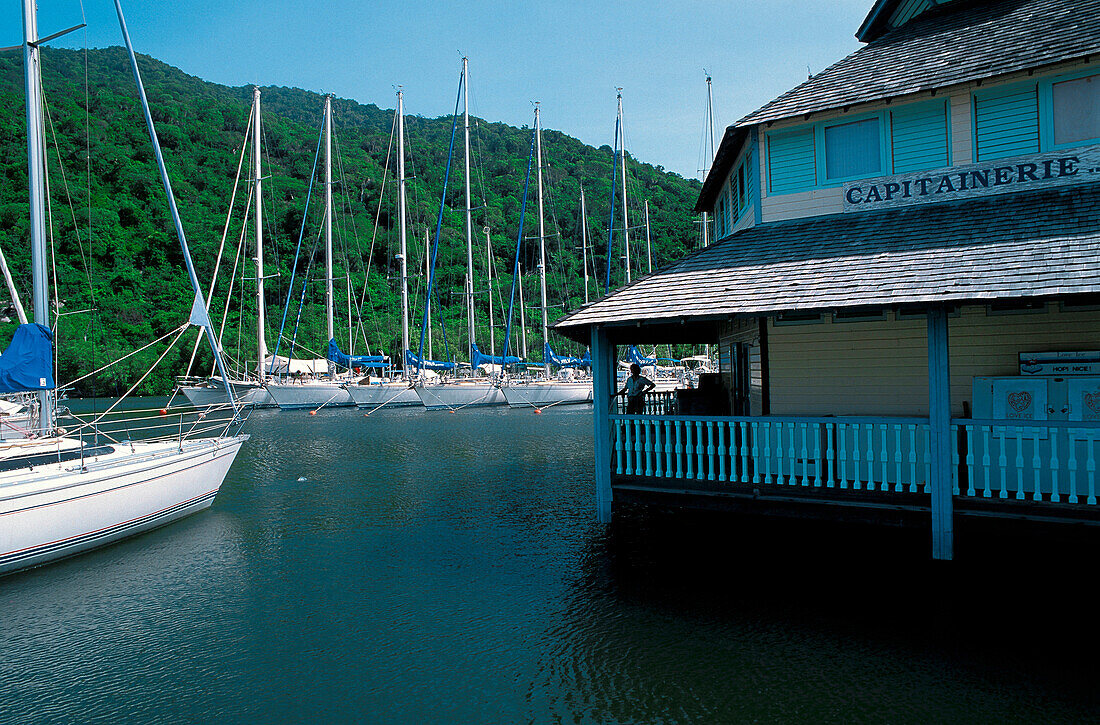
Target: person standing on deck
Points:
(635, 389)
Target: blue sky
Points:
(569, 55)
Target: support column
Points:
(940, 442)
(603, 386)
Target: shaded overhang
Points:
(1035, 245)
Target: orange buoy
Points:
(538, 411)
(164, 411)
(313, 412)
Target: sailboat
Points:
(474, 391)
(59, 495)
(394, 392)
(249, 390)
(329, 389)
(546, 390)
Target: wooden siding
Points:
(919, 137)
(881, 367)
(1006, 122)
(779, 207)
(791, 161)
(907, 10)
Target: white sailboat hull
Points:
(213, 393)
(54, 510)
(543, 393)
(449, 396)
(391, 395)
(313, 394)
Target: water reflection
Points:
(447, 568)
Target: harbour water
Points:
(432, 567)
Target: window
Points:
(853, 149)
(1076, 109)
(791, 161)
(742, 197)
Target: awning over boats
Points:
(279, 365)
(27, 364)
(564, 361)
(412, 360)
(478, 358)
(355, 361)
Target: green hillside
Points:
(119, 271)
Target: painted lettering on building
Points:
(1023, 173)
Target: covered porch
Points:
(857, 368)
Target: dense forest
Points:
(118, 269)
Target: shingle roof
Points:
(955, 43)
(1038, 244)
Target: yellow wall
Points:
(881, 367)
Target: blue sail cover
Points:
(637, 359)
(413, 362)
(356, 361)
(478, 358)
(27, 364)
(564, 361)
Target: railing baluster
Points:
(870, 454)
(1071, 464)
(668, 449)
(912, 458)
(648, 448)
(1055, 496)
(679, 450)
(689, 449)
(620, 434)
(842, 438)
(767, 451)
(857, 457)
(779, 453)
(830, 457)
(791, 454)
(1036, 463)
(754, 426)
(986, 463)
(897, 458)
(927, 435)
(745, 463)
(969, 430)
(713, 443)
(1090, 465)
(1002, 463)
(639, 448)
(884, 457)
(658, 449)
(700, 450)
(1019, 464)
(723, 427)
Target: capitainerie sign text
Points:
(1020, 173)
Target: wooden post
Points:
(939, 433)
(603, 387)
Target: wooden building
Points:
(905, 290)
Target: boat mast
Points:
(401, 227)
(584, 244)
(489, 268)
(328, 227)
(542, 244)
(710, 153)
(626, 218)
(257, 181)
(427, 275)
(469, 215)
(648, 246)
(35, 160)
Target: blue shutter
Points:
(919, 137)
(1006, 123)
(791, 163)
